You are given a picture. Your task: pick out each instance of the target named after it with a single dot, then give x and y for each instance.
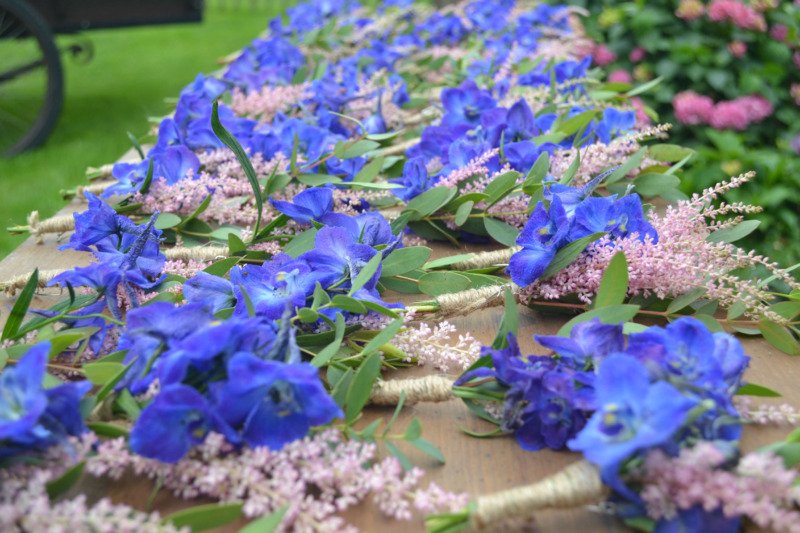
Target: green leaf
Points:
(571, 170)
(710, 322)
(788, 310)
(301, 243)
(446, 261)
(414, 430)
(148, 178)
(654, 184)
(315, 180)
(463, 212)
(104, 429)
(65, 481)
(370, 171)
(684, 300)
(428, 448)
(668, 152)
(404, 260)
(500, 186)
(537, 173)
(128, 403)
(267, 523)
(385, 335)
(509, 322)
(644, 87)
(347, 303)
(361, 387)
(625, 168)
(500, 231)
(199, 210)
(306, 315)
(613, 314)
(347, 150)
(614, 285)
(436, 283)
(569, 253)
(20, 309)
(102, 373)
(366, 273)
(322, 358)
(431, 201)
(221, 267)
(739, 231)
(751, 389)
(231, 142)
(394, 450)
(571, 125)
(204, 517)
(779, 337)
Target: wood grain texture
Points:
(473, 465)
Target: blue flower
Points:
(34, 418)
(588, 343)
(97, 223)
(632, 415)
(698, 520)
(464, 104)
(272, 403)
(307, 206)
(214, 292)
(274, 286)
(540, 239)
(339, 258)
(369, 228)
(614, 123)
(178, 419)
(414, 180)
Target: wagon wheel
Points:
(31, 78)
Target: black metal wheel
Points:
(31, 78)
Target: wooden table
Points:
(476, 466)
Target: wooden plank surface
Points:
(473, 465)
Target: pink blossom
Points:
(779, 32)
(642, 118)
(738, 13)
(729, 115)
(692, 108)
(620, 76)
(794, 90)
(757, 107)
(602, 56)
(737, 48)
(637, 54)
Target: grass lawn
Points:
(133, 71)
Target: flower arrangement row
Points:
(242, 304)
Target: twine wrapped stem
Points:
(417, 390)
(11, 286)
(576, 485)
(486, 259)
(465, 302)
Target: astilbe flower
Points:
(737, 49)
(690, 9)
(476, 167)
(440, 346)
(767, 414)
(779, 32)
(620, 76)
(317, 478)
(679, 262)
(267, 102)
(738, 13)
(26, 506)
(602, 56)
(729, 115)
(760, 488)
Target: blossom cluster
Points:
(737, 114)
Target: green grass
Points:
(133, 71)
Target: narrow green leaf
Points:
(267, 523)
(739, 231)
(347, 303)
(366, 273)
(128, 403)
(356, 149)
(148, 178)
(231, 142)
(614, 285)
(627, 167)
(370, 171)
(361, 387)
(20, 309)
(569, 253)
(685, 300)
(427, 447)
(104, 429)
(404, 260)
(204, 517)
(509, 322)
(500, 231)
(779, 337)
(327, 353)
(394, 450)
(751, 389)
(644, 87)
(385, 335)
(102, 373)
(65, 481)
(566, 178)
(436, 283)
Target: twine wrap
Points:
(58, 224)
(576, 485)
(103, 171)
(465, 302)
(397, 148)
(487, 259)
(424, 389)
(11, 286)
(198, 253)
(94, 188)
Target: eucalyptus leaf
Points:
(404, 260)
(204, 517)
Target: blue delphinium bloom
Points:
(464, 104)
(614, 123)
(414, 180)
(271, 403)
(272, 287)
(698, 520)
(540, 239)
(32, 417)
(178, 419)
(214, 292)
(369, 228)
(632, 414)
(307, 206)
(339, 257)
(588, 342)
